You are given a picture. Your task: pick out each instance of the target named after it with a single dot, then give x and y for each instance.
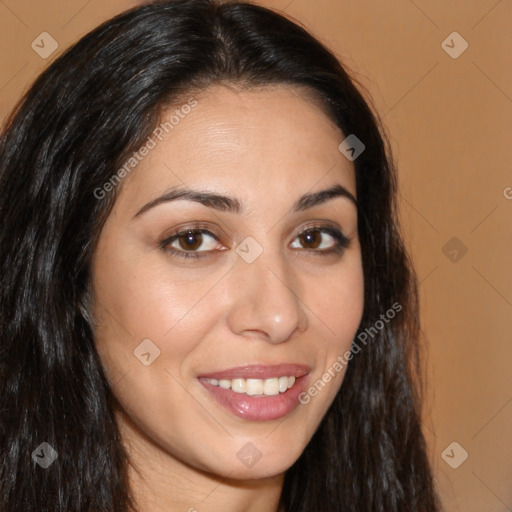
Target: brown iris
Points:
(193, 239)
(312, 236)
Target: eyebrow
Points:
(224, 203)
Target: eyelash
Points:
(342, 241)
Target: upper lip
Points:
(259, 371)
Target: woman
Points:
(206, 303)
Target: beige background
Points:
(449, 121)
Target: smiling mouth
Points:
(256, 387)
(258, 392)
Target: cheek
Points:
(140, 298)
(346, 312)
(340, 310)
(340, 305)
(144, 308)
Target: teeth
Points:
(254, 387)
(271, 386)
(223, 383)
(238, 385)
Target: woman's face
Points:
(271, 284)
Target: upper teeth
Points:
(272, 386)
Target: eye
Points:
(323, 240)
(186, 243)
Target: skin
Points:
(291, 304)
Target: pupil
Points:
(192, 240)
(310, 237)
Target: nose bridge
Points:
(266, 300)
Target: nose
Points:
(265, 301)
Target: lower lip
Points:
(263, 408)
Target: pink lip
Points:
(262, 408)
(259, 371)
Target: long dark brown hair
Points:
(71, 132)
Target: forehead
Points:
(265, 139)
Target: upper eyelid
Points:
(184, 230)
